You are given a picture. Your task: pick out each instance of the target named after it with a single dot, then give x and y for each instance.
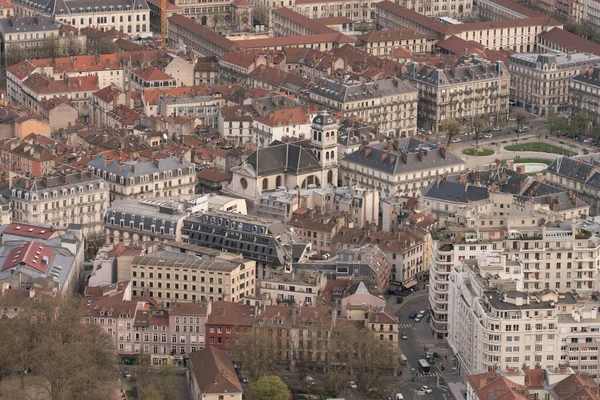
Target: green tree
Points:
(579, 123)
(269, 387)
(556, 123)
(451, 128)
(150, 393)
(595, 132)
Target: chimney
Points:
(420, 155)
(467, 187)
(383, 156)
(405, 158)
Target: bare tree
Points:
(257, 353)
(477, 125)
(452, 129)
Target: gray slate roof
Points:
(455, 192)
(74, 7)
(137, 169)
(589, 79)
(571, 168)
(474, 70)
(28, 24)
(394, 163)
(295, 158)
(353, 92)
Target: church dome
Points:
(324, 119)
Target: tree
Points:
(72, 46)
(257, 354)
(522, 117)
(478, 125)
(354, 351)
(261, 13)
(73, 359)
(501, 120)
(556, 123)
(217, 18)
(149, 393)
(595, 132)
(452, 129)
(269, 387)
(579, 123)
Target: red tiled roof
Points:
(213, 175)
(31, 254)
(31, 231)
(151, 95)
(311, 24)
(42, 84)
(333, 20)
(290, 116)
(170, 6)
(152, 74)
(393, 34)
(203, 31)
(570, 42)
(241, 58)
(296, 40)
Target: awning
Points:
(410, 283)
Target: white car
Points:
(352, 385)
(455, 140)
(496, 128)
(426, 389)
(487, 135)
(418, 318)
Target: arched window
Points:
(330, 176)
(332, 155)
(327, 155)
(265, 184)
(327, 135)
(315, 135)
(278, 181)
(320, 137)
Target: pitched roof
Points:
(312, 25)
(32, 254)
(152, 73)
(294, 158)
(455, 192)
(226, 313)
(213, 175)
(203, 31)
(569, 42)
(335, 37)
(214, 371)
(393, 34)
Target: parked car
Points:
(496, 128)
(523, 129)
(487, 136)
(419, 317)
(352, 385)
(403, 336)
(399, 299)
(126, 374)
(456, 140)
(412, 315)
(426, 389)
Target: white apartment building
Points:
(131, 17)
(142, 179)
(389, 104)
(540, 82)
(473, 88)
(492, 323)
(291, 288)
(556, 255)
(76, 198)
(584, 94)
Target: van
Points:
(399, 396)
(403, 360)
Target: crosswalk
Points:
(429, 374)
(405, 326)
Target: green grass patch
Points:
(478, 152)
(130, 395)
(541, 148)
(532, 160)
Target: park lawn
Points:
(478, 152)
(540, 147)
(532, 160)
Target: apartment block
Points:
(518, 34)
(300, 334)
(472, 88)
(579, 176)
(540, 82)
(131, 17)
(70, 198)
(287, 22)
(302, 288)
(140, 179)
(400, 166)
(226, 322)
(171, 278)
(584, 94)
(265, 241)
(203, 40)
(389, 104)
(383, 43)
